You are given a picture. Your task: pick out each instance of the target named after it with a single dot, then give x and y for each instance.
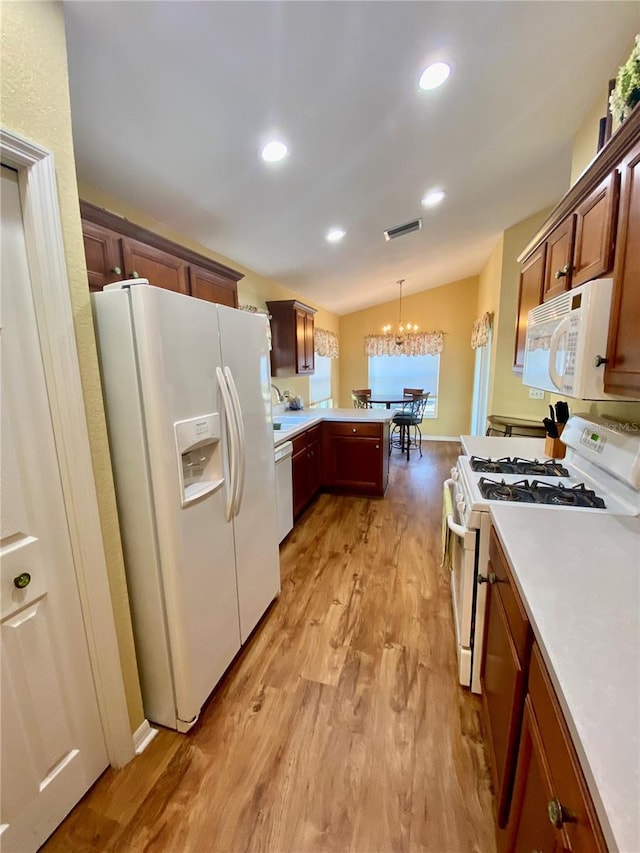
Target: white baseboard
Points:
(143, 736)
(440, 438)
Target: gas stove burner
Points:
(538, 492)
(561, 495)
(546, 468)
(494, 491)
(492, 466)
(509, 465)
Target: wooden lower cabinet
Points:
(339, 456)
(507, 648)
(551, 809)
(306, 467)
(541, 798)
(356, 457)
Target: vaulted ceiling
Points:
(172, 102)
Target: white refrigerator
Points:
(188, 400)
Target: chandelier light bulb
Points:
(400, 328)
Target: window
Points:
(320, 383)
(389, 374)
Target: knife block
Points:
(553, 447)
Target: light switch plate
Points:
(536, 393)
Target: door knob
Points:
(22, 580)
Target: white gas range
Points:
(601, 474)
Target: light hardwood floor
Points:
(340, 726)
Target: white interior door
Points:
(52, 746)
(481, 389)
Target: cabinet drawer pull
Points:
(22, 581)
(492, 578)
(354, 430)
(566, 269)
(558, 814)
(377, 447)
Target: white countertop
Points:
(579, 577)
(496, 446)
(308, 418)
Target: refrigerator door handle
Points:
(233, 443)
(242, 465)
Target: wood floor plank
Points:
(340, 726)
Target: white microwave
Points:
(567, 342)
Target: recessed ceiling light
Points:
(432, 198)
(334, 235)
(434, 75)
(274, 151)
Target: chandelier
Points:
(400, 329)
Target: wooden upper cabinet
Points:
(305, 354)
(558, 266)
(622, 371)
(530, 295)
(212, 287)
(596, 219)
(292, 326)
(116, 249)
(103, 254)
(161, 268)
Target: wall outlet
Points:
(536, 393)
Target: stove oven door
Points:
(463, 557)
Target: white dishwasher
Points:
(284, 488)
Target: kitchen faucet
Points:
(278, 392)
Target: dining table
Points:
(390, 399)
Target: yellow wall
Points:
(35, 104)
(450, 308)
(253, 289)
(489, 283)
(585, 141)
(510, 396)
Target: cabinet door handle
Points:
(377, 447)
(135, 274)
(558, 814)
(492, 578)
(566, 269)
(117, 271)
(354, 429)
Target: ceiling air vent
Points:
(401, 230)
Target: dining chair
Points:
(407, 420)
(360, 398)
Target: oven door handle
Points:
(453, 526)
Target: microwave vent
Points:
(401, 230)
(557, 307)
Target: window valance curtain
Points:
(481, 329)
(325, 343)
(413, 343)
